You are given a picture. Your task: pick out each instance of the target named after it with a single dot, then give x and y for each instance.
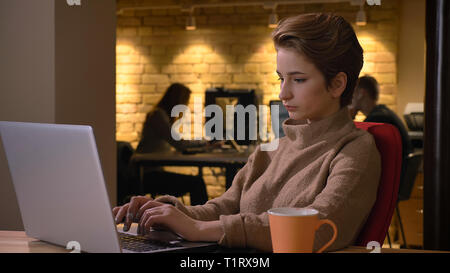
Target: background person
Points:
(365, 99)
(157, 137)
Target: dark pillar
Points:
(437, 125)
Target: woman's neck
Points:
(332, 110)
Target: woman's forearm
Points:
(210, 231)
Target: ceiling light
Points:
(361, 19)
(273, 20)
(190, 22)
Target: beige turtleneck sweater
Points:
(328, 165)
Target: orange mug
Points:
(293, 229)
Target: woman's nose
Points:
(285, 93)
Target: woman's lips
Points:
(290, 108)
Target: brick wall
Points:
(231, 47)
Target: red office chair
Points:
(389, 144)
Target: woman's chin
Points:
(297, 116)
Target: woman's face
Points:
(303, 89)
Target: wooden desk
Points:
(231, 161)
(19, 242)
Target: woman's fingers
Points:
(154, 219)
(129, 212)
(148, 205)
(168, 216)
(121, 213)
(115, 211)
(135, 203)
(143, 227)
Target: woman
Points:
(323, 162)
(157, 137)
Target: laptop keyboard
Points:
(138, 243)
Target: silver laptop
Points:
(61, 191)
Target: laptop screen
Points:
(244, 97)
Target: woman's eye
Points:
(299, 80)
(280, 79)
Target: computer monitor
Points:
(282, 115)
(245, 97)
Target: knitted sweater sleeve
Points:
(226, 208)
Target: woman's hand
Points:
(156, 214)
(151, 213)
(130, 210)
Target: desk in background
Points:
(231, 161)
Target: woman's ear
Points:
(338, 85)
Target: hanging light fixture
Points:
(361, 19)
(190, 20)
(273, 20)
(273, 16)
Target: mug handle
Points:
(326, 221)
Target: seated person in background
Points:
(324, 162)
(157, 137)
(365, 100)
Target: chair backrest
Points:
(389, 144)
(413, 162)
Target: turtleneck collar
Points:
(304, 134)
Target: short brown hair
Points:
(328, 41)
